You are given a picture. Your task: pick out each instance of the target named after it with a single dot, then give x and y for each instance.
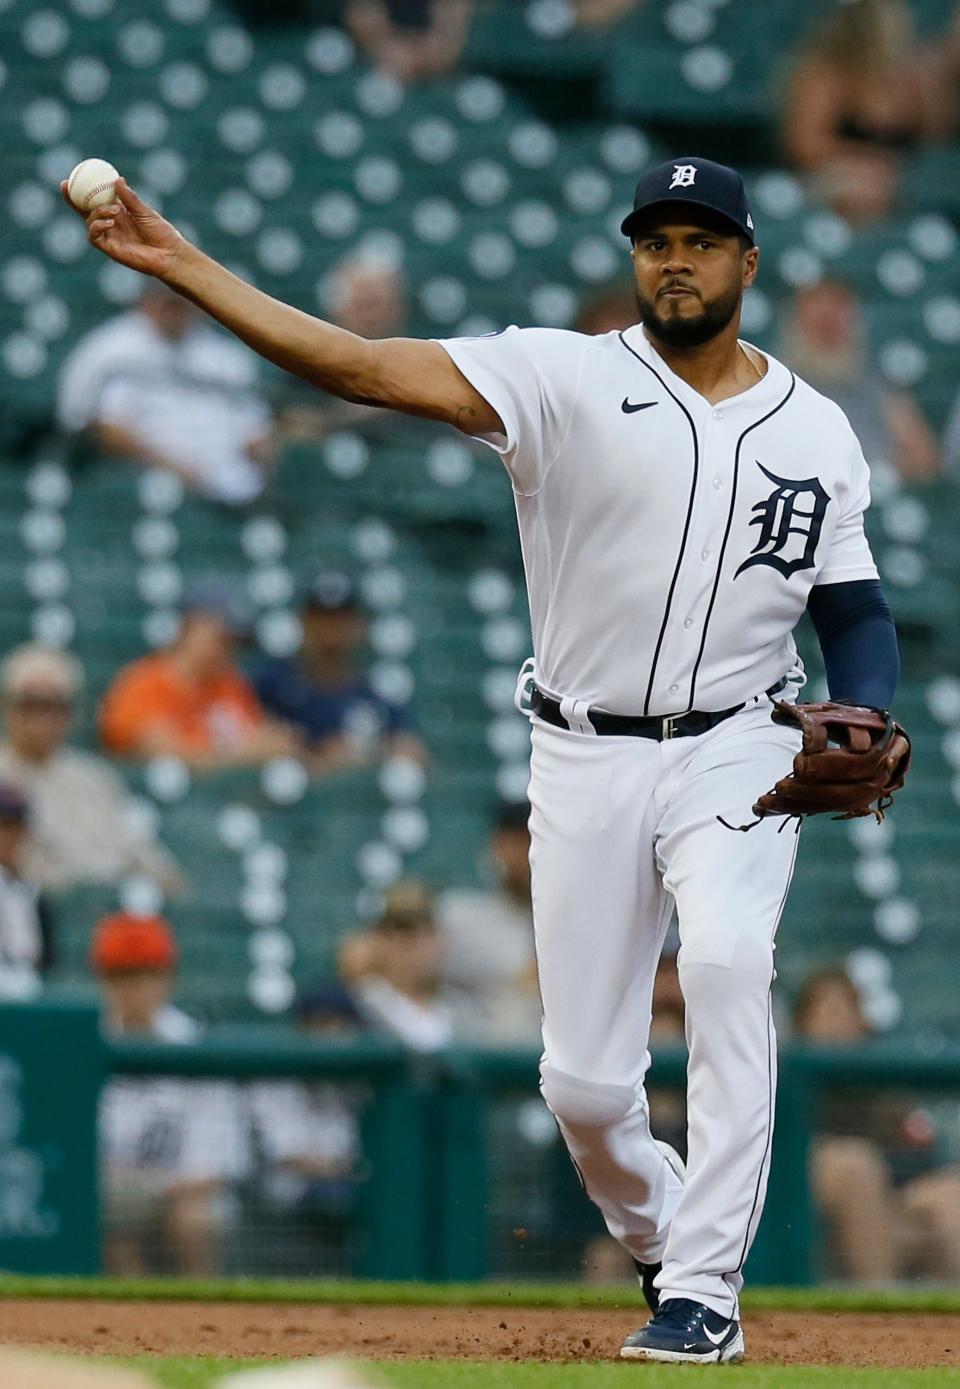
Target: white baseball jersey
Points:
(669, 545)
(21, 939)
(178, 1130)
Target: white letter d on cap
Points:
(683, 175)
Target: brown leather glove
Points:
(852, 761)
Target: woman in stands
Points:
(863, 93)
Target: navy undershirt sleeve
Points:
(855, 629)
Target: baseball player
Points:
(682, 500)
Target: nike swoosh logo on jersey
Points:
(629, 408)
(716, 1338)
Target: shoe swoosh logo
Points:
(629, 408)
(715, 1337)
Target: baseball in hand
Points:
(92, 184)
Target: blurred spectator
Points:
(890, 1206)
(610, 310)
(411, 39)
(951, 441)
(22, 945)
(364, 293)
(863, 93)
(307, 1137)
(191, 701)
(320, 693)
(598, 14)
(393, 971)
(83, 828)
(367, 296)
(824, 340)
(668, 1106)
(489, 961)
(668, 1007)
(170, 1148)
(159, 387)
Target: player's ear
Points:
(751, 262)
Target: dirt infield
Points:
(465, 1333)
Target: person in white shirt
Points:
(159, 387)
(307, 1138)
(22, 948)
(394, 970)
(171, 1149)
(84, 827)
(489, 960)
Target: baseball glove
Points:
(853, 759)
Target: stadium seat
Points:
(500, 189)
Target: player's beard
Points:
(684, 331)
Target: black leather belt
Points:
(631, 726)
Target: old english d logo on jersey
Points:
(790, 521)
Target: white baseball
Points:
(92, 183)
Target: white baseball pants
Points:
(621, 830)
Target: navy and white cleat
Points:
(686, 1333)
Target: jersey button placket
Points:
(676, 657)
(710, 519)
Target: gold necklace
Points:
(759, 373)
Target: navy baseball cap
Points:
(699, 182)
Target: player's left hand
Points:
(852, 761)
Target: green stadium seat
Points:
(501, 187)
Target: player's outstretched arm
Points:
(407, 374)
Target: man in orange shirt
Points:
(190, 701)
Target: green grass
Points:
(442, 1374)
(462, 1294)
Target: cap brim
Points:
(633, 218)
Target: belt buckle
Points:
(668, 727)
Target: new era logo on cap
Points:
(699, 182)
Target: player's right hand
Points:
(132, 233)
